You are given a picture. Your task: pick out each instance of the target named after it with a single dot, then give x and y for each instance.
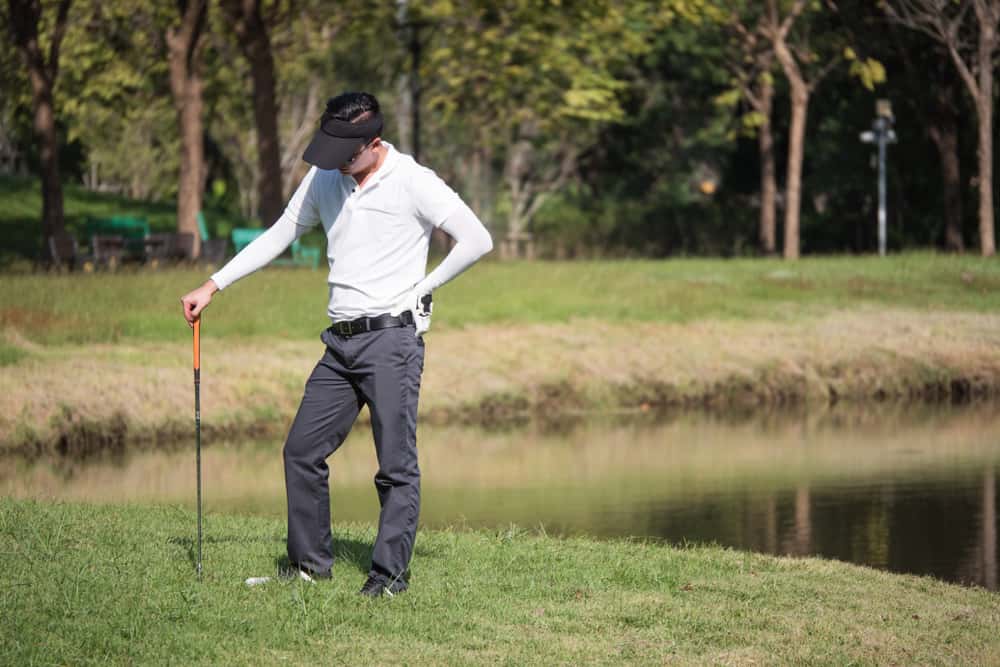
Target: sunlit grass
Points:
(116, 585)
(281, 303)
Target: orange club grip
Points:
(197, 344)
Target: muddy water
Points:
(906, 489)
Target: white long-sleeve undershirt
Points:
(260, 252)
(472, 241)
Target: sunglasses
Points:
(358, 153)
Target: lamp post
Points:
(881, 134)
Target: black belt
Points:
(363, 324)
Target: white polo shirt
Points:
(377, 235)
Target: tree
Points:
(114, 95)
(184, 43)
(795, 55)
(26, 17)
(252, 25)
(968, 29)
(536, 81)
(754, 80)
(935, 97)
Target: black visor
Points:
(336, 141)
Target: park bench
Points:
(107, 250)
(302, 255)
(65, 251)
(133, 232)
(213, 251)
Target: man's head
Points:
(349, 134)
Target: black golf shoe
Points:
(378, 585)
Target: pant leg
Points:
(391, 387)
(329, 406)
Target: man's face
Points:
(363, 159)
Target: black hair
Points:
(351, 107)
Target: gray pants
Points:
(381, 369)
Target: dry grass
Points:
(484, 370)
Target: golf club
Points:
(197, 423)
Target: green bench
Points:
(302, 255)
(116, 238)
(132, 230)
(213, 251)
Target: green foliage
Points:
(613, 109)
(868, 70)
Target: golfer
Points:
(378, 208)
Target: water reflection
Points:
(902, 489)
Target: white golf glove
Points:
(420, 305)
(422, 313)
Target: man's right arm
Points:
(258, 254)
(261, 251)
(298, 217)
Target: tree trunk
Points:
(944, 133)
(796, 145)
(255, 41)
(404, 117)
(984, 109)
(266, 114)
(24, 21)
(768, 185)
(793, 176)
(186, 87)
(53, 221)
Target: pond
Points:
(905, 488)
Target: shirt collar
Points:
(391, 159)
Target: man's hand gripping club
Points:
(195, 301)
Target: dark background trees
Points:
(604, 127)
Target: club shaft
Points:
(197, 437)
(197, 425)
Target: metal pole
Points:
(881, 134)
(881, 131)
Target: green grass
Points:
(290, 303)
(90, 584)
(10, 354)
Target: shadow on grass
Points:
(355, 552)
(191, 543)
(344, 549)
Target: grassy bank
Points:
(290, 304)
(87, 584)
(94, 361)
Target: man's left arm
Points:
(472, 241)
